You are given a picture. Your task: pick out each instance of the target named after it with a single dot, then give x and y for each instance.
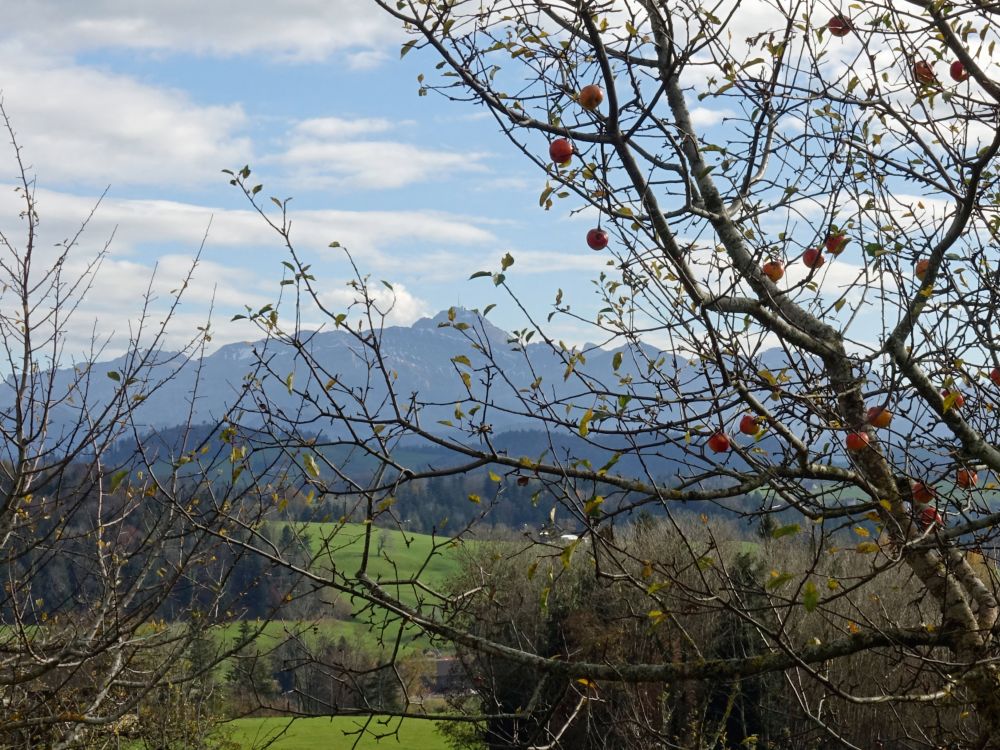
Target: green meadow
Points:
(335, 733)
(393, 556)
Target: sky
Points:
(147, 102)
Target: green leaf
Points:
(480, 274)
(407, 47)
(117, 478)
(611, 462)
(506, 261)
(312, 468)
(289, 382)
(792, 528)
(114, 376)
(616, 361)
(584, 426)
(810, 596)
(778, 580)
(567, 554)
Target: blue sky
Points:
(152, 100)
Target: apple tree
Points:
(797, 203)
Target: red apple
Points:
(813, 257)
(835, 243)
(591, 96)
(774, 270)
(920, 270)
(922, 493)
(840, 25)
(597, 239)
(923, 72)
(929, 516)
(879, 417)
(561, 151)
(966, 478)
(749, 425)
(995, 375)
(958, 71)
(958, 400)
(857, 441)
(719, 442)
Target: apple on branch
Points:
(597, 239)
(966, 478)
(879, 417)
(922, 493)
(923, 72)
(958, 71)
(749, 424)
(840, 25)
(813, 257)
(719, 443)
(836, 242)
(857, 441)
(561, 151)
(774, 270)
(591, 97)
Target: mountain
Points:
(421, 357)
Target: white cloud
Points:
(95, 128)
(241, 262)
(338, 127)
(135, 223)
(703, 116)
(399, 304)
(296, 30)
(321, 155)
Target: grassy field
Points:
(393, 554)
(335, 733)
(276, 631)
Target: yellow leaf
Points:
(861, 531)
(866, 548)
